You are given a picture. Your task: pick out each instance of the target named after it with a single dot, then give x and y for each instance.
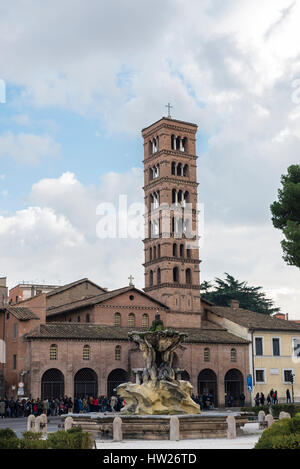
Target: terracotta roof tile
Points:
(96, 332)
(21, 313)
(255, 321)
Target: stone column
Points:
(231, 430)
(117, 429)
(261, 419)
(31, 423)
(68, 423)
(174, 429)
(269, 419)
(43, 424)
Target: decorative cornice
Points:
(174, 259)
(153, 156)
(172, 285)
(172, 180)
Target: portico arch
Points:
(52, 384)
(114, 379)
(85, 383)
(207, 383)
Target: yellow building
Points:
(274, 348)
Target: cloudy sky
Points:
(84, 77)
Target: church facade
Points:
(73, 340)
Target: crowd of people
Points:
(13, 408)
(205, 401)
(272, 398)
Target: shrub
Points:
(283, 434)
(7, 433)
(32, 435)
(9, 443)
(34, 444)
(74, 438)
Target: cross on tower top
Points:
(131, 278)
(169, 109)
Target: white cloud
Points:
(28, 148)
(228, 66)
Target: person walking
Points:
(257, 400)
(2, 409)
(242, 399)
(262, 398)
(288, 397)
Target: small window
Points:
(7, 315)
(260, 376)
(258, 346)
(86, 354)
(78, 319)
(14, 362)
(287, 375)
(131, 297)
(206, 355)
(233, 355)
(276, 347)
(87, 318)
(15, 331)
(145, 321)
(131, 320)
(118, 352)
(117, 319)
(53, 352)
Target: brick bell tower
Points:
(172, 265)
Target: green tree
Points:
(286, 215)
(223, 291)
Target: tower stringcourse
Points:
(172, 265)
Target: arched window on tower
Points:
(188, 276)
(158, 251)
(174, 250)
(174, 198)
(179, 167)
(151, 278)
(173, 168)
(150, 147)
(154, 252)
(158, 276)
(185, 170)
(181, 250)
(184, 144)
(175, 275)
(150, 254)
(173, 142)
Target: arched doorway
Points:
(207, 384)
(85, 383)
(234, 385)
(114, 379)
(53, 384)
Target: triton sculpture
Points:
(160, 392)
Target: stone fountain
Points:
(160, 392)
(150, 405)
